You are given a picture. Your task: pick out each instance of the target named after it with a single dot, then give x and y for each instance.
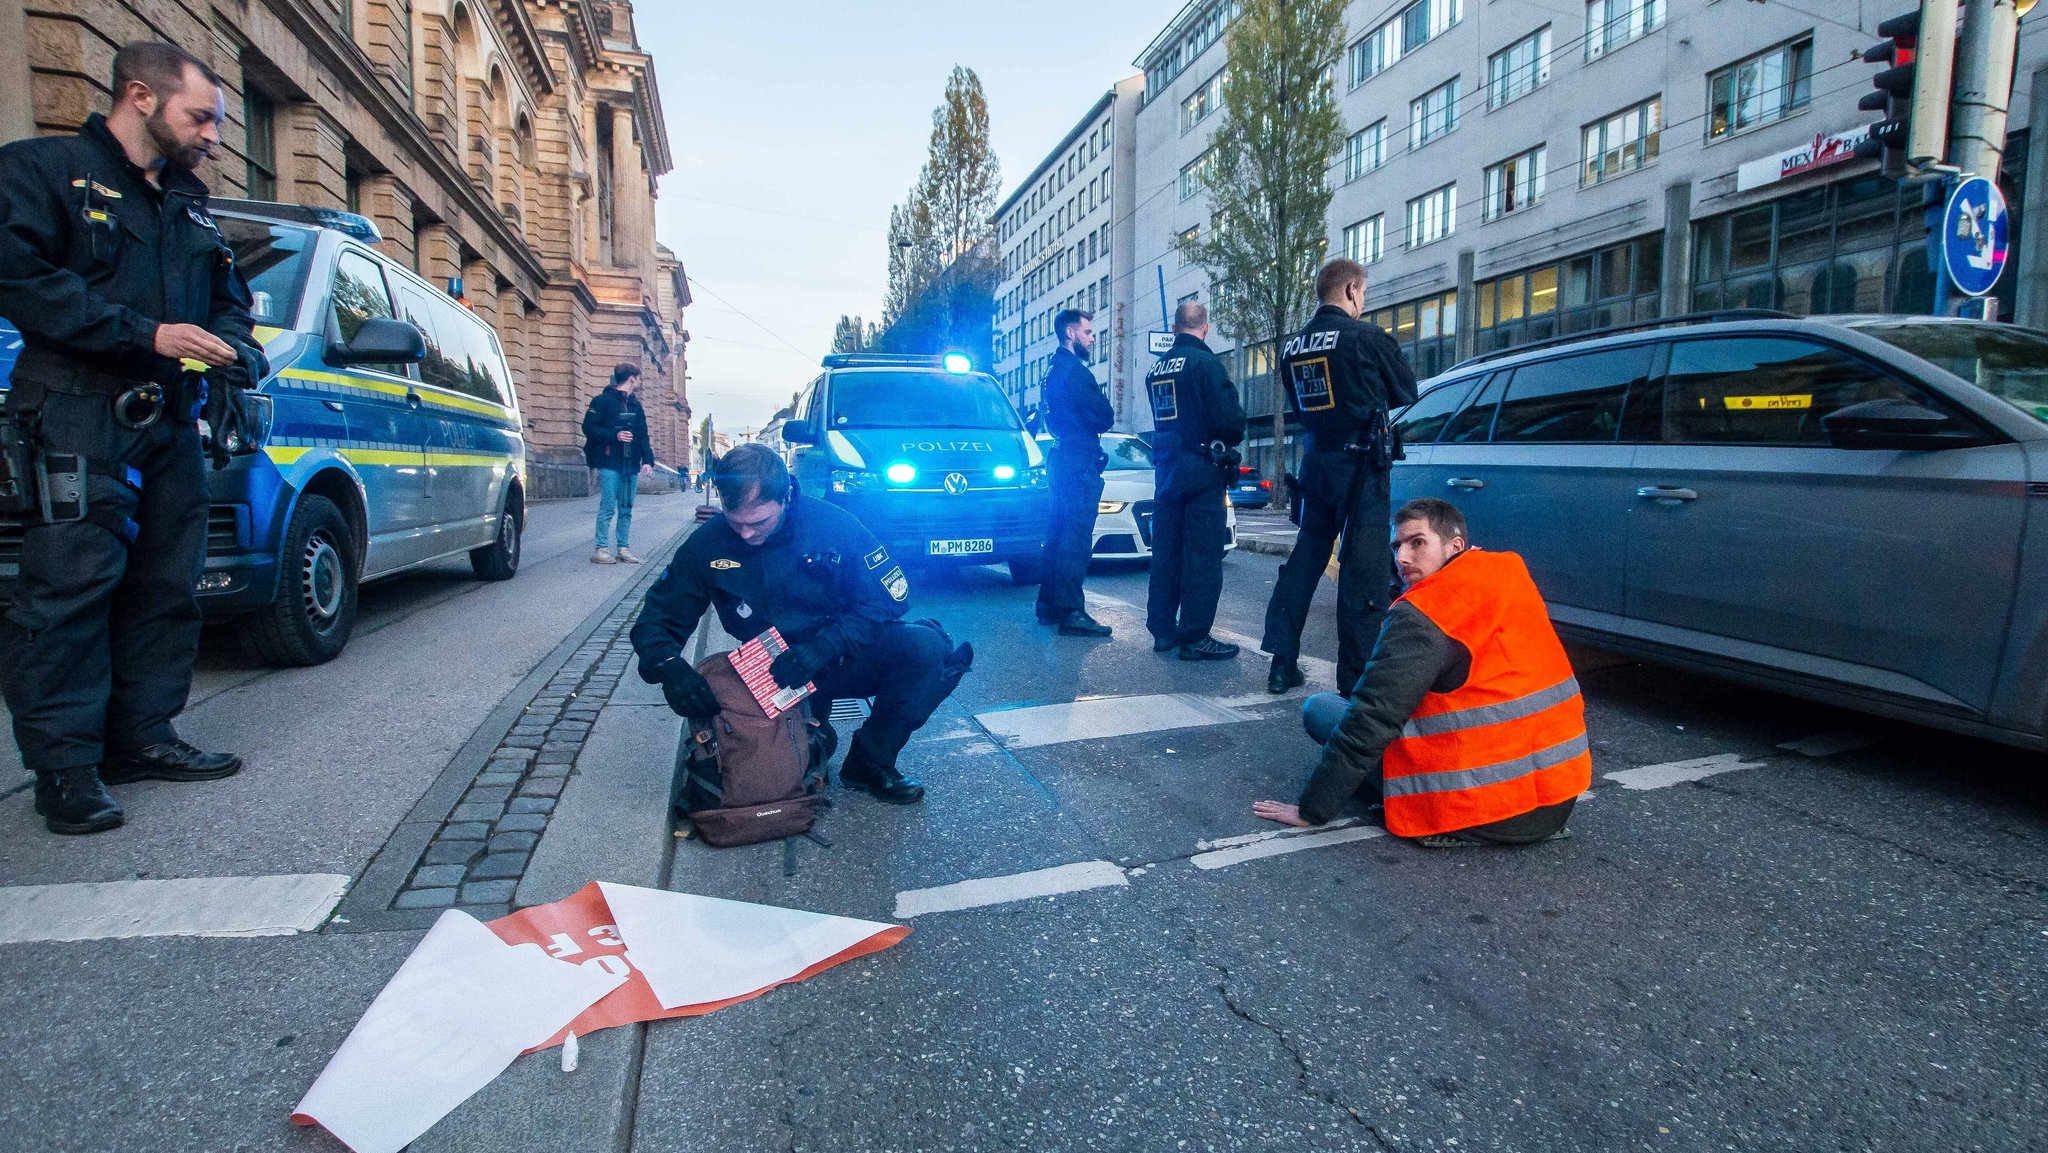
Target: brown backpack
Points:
(743, 776)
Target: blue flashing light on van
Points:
(928, 453)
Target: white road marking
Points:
(1105, 717)
(1271, 835)
(1829, 744)
(1679, 772)
(190, 907)
(1318, 670)
(1258, 850)
(1074, 878)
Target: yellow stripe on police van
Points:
(363, 382)
(286, 454)
(265, 333)
(1781, 402)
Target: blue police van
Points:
(928, 454)
(390, 436)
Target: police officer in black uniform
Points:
(1197, 424)
(114, 272)
(1076, 414)
(810, 570)
(1343, 376)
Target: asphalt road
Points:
(1743, 946)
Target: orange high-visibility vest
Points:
(1512, 738)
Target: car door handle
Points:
(1465, 482)
(1665, 493)
(333, 404)
(412, 399)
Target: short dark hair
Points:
(1191, 315)
(1066, 318)
(625, 372)
(748, 473)
(1336, 276)
(1444, 518)
(159, 65)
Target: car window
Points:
(1765, 390)
(880, 399)
(2009, 362)
(475, 362)
(359, 293)
(1572, 398)
(1476, 421)
(437, 368)
(1420, 422)
(272, 258)
(1126, 454)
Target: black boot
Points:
(173, 760)
(1208, 649)
(74, 801)
(1284, 675)
(882, 782)
(1080, 624)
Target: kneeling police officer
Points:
(813, 572)
(114, 272)
(1197, 424)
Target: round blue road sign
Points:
(1975, 234)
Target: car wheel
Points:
(499, 560)
(1027, 570)
(309, 621)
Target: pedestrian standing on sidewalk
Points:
(615, 444)
(1343, 376)
(114, 271)
(1076, 414)
(1197, 424)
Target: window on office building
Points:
(1365, 150)
(1192, 176)
(1613, 23)
(1616, 285)
(1433, 216)
(1184, 244)
(1514, 184)
(1203, 102)
(259, 119)
(1426, 330)
(1622, 142)
(1433, 114)
(1855, 246)
(1365, 240)
(1768, 86)
(1407, 30)
(1518, 69)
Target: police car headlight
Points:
(1111, 507)
(1005, 472)
(855, 481)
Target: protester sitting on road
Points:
(1467, 725)
(814, 573)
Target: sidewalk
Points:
(1265, 530)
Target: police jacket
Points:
(1468, 710)
(1193, 403)
(611, 411)
(93, 259)
(1075, 412)
(821, 579)
(1342, 375)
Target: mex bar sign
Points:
(1820, 152)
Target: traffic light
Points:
(1913, 92)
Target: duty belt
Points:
(59, 373)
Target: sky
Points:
(796, 124)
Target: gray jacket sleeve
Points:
(1411, 658)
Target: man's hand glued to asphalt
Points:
(686, 690)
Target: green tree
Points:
(950, 212)
(849, 335)
(1268, 175)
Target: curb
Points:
(1268, 547)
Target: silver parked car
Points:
(1835, 507)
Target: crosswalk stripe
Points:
(1678, 772)
(1258, 850)
(1106, 717)
(187, 907)
(1077, 877)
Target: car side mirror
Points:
(800, 432)
(381, 340)
(1895, 424)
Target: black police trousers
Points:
(1069, 536)
(1342, 496)
(1189, 532)
(906, 670)
(96, 650)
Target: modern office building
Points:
(1513, 172)
(1064, 240)
(508, 149)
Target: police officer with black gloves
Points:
(1076, 414)
(810, 570)
(114, 272)
(1343, 376)
(1197, 424)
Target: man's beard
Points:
(169, 146)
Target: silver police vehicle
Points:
(1852, 509)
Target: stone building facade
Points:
(508, 145)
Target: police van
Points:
(928, 454)
(392, 439)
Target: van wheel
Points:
(314, 612)
(499, 560)
(1028, 570)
